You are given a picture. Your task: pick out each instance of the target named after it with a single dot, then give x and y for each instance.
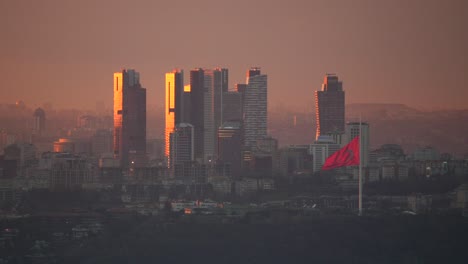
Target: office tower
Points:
(182, 145)
(232, 106)
(209, 135)
(229, 148)
(240, 88)
(173, 104)
(197, 87)
(330, 107)
(255, 108)
(220, 86)
(39, 122)
(254, 71)
(352, 131)
(129, 119)
(187, 101)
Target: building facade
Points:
(352, 131)
(39, 122)
(322, 148)
(229, 149)
(174, 107)
(129, 119)
(255, 108)
(197, 87)
(330, 106)
(182, 145)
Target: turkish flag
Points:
(347, 156)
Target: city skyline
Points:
(386, 53)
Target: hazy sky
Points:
(395, 51)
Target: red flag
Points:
(347, 156)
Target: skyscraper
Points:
(39, 121)
(232, 106)
(255, 107)
(209, 145)
(129, 119)
(254, 71)
(182, 145)
(197, 87)
(187, 102)
(220, 86)
(174, 106)
(229, 148)
(240, 88)
(330, 107)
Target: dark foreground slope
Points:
(394, 239)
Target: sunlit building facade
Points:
(174, 107)
(129, 119)
(330, 107)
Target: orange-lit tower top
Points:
(330, 106)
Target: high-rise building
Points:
(129, 119)
(209, 135)
(187, 101)
(229, 148)
(197, 88)
(174, 106)
(39, 121)
(232, 106)
(255, 108)
(254, 71)
(352, 131)
(240, 88)
(330, 107)
(220, 86)
(182, 145)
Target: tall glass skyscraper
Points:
(181, 145)
(330, 107)
(255, 107)
(129, 119)
(174, 106)
(197, 88)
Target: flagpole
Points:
(360, 166)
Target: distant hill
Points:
(381, 111)
(446, 130)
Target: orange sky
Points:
(65, 52)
